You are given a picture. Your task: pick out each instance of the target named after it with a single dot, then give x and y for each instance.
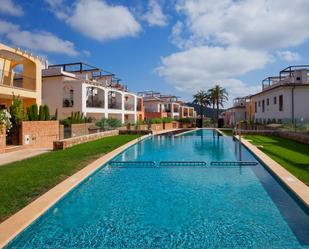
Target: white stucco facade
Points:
(279, 103)
(67, 93)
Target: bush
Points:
(186, 120)
(76, 118)
(107, 123)
(32, 112)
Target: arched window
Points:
(68, 96)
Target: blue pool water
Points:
(175, 207)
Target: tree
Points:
(16, 110)
(201, 98)
(218, 97)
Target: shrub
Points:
(107, 123)
(167, 120)
(16, 110)
(5, 117)
(32, 113)
(186, 120)
(46, 112)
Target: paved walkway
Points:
(18, 155)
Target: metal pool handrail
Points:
(132, 163)
(233, 163)
(183, 163)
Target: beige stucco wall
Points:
(53, 93)
(32, 82)
(301, 103)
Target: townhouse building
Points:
(79, 87)
(160, 106)
(284, 98)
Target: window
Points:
(275, 100)
(255, 107)
(259, 103)
(281, 103)
(263, 105)
(68, 96)
(267, 101)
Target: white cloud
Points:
(36, 40)
(249, 23)
(154, 16)
(288, 56)
(96, 19)
(10, 8)
(204, 66)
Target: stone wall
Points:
(39, 134)
(2, 138)
(80, 129)
(298, 137)
(69, 142)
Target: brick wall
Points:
(298, 137)
(41, 134)
(2, 138)
(69, 142)
(80, 129)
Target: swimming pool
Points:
(143, 206)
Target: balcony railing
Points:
(114, 105)
(129, 107)
(95, 103)
(17, 80)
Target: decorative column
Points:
(106, 103)
(122, 107)
(135, 109)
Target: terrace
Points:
(291, 75)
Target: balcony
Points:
(95, 97)
(129, 107)
(17, 80)
(114, 105)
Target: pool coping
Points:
(296, 186)
(16, 223)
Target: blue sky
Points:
(175, 46)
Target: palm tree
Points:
(218, 96)
(201, 98)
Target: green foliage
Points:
(187, 120)
(46, 112)
(76, 118)
(32, 113)
(159, 120)
(23, 181)
(38, 114)
(290, 154)
(16, 110)
(41, 113)
(167, 120)
(108, 123)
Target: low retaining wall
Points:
(2, 139)
(298, 137)
(39, 134)
(69, 142)
(80, 129)
(133, 132)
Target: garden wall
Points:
(39, 134)
(2, 139)
(69, 142)
(80, 129)
(298, 137)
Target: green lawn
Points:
(291, 155)
(22, 182)
(227, 132)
